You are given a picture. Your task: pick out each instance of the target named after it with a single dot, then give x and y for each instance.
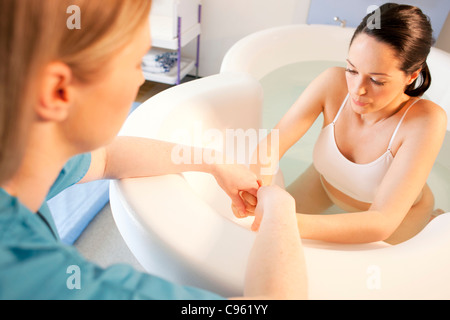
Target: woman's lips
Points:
(359, 103)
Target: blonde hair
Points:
(35, 33)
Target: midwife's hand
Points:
(236, 179)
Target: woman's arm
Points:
(294, 124)
(424, 130)
(132, 157)
(276, 267)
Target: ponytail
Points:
(417, 89)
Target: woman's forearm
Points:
(129, 157)
(133, 157)
(358, 227)
(276, 267)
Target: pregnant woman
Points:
(379, 138)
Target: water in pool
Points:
(283, 86)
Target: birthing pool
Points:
(181, 227)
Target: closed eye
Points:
(378, 83)
(354, 72)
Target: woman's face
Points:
(374, 78)
(102, 106)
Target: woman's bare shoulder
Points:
(328, 87)
(426, 120)
(429, 114)
(334, 77)
(334, 85)
(334, 82)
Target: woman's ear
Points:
(413, 76)
(55, 95)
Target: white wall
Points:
(443, 42)
(227, 21)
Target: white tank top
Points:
(359, 181)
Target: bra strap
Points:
(399, 124)
(340, 109)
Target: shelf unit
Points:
(174, 24)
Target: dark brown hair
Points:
(408, 31)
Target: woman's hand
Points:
(236, 180)
(250, 201)
(272, 200)
(256, 205)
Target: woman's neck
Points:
(39, 169)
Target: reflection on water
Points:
(283, 86)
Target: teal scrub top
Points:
(35, 264)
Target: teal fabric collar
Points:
(18, 222)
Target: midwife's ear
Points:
(55, 93)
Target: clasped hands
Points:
(248, 194)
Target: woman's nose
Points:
(360, 88)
